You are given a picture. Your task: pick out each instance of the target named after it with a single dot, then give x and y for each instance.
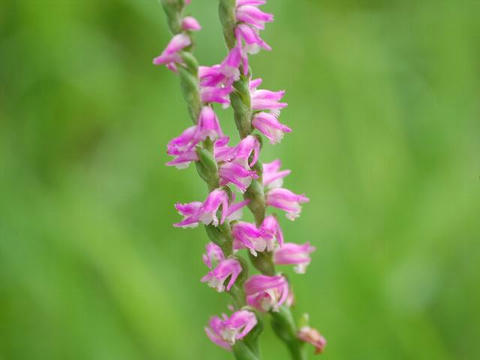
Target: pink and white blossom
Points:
(213, 255)
(211, 94)
(269, 126)
(248, 42)
(225, 331)
(189, 23)
(226, 269)
(249, 13)
(182, 148)
(294, 254)
(248, 236)
(248, 147)
(222, 75)
(222, 151)
(266, 100)
(206, 212)
(234, 173)
(208, 125)
(312, 336)
(266, 293)
(271, 230)
(286, 200)
(171, 55)
(272, 176)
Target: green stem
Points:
(285, 328)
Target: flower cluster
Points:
(228, 168)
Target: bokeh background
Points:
(384, 102)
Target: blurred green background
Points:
(384, 102)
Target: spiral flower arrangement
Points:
(230, 170)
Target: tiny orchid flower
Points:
(248, 236)
(269, 126)
(266, 100)
(227, 268)
(248, 147)
(208, 125)
(210, 75)
(190, 213)
(210, 94)
(213, 255)
(215, 331)
(249, 35)
(266, 293)
(222, 151)
(182, 161)
(215, 199)
(226, 331)
(222, 75)
(189, 23)
(171, 55)
(235, 210)
(229, 66)
(182, 143)
(294, 254)
(206, 212)
(248, 42)
(236, 174)
(272, 177)
(271, 229)
(286, 200)
(248, 13)
(312, 336)
(183, 146)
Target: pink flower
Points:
(226, 331)
(213, 255)
(211, 94)
(266, 293)
(286, 200)
(312, 336)
(294, 254)
(236, 166)
(235, 209)
(248, 148)
(184, 142)
(266, 100)
(269, 126)
(248, 42)
(249, 13)
(208, 125)
(229, 66)
(183, 146)
(215, 199)
(171, 55)
(222, 75)
(182, 161)
(206, 212)
(271, 230)
(190, 212)
(227, 268)
(222, 151)
(236, 174)
(189, 23)
(210, 75)
(272, 177)
(248, 236)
